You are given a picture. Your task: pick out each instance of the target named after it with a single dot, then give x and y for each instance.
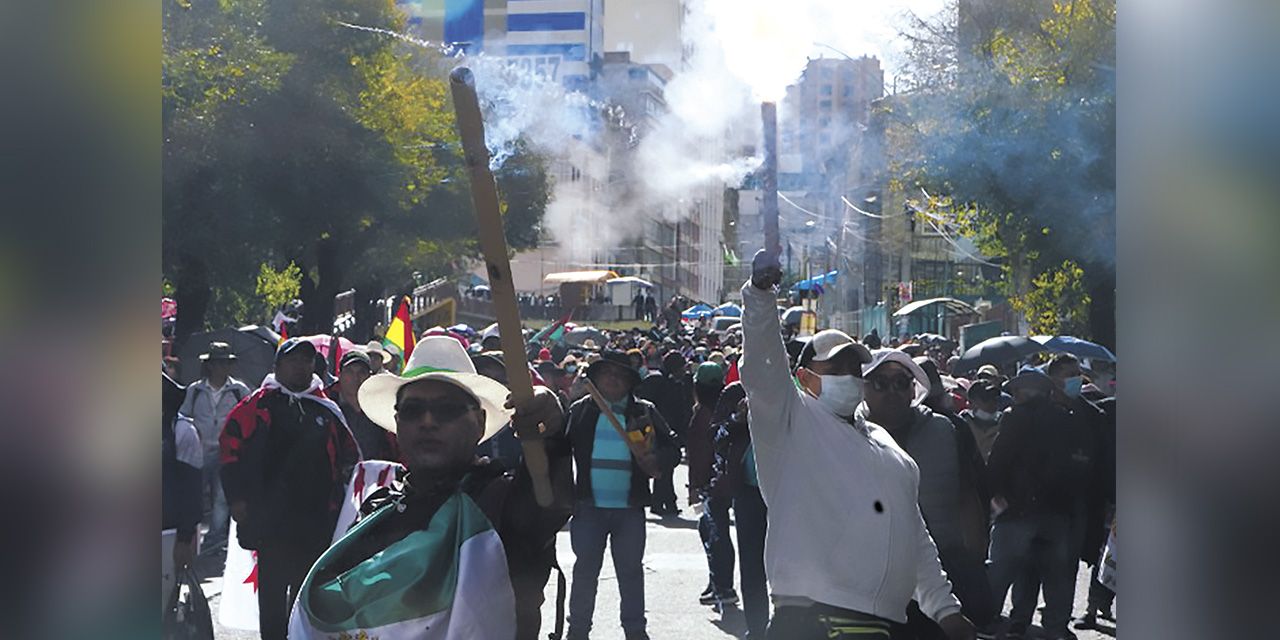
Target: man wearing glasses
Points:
(847, 546)
(952, 498)
(431, 558)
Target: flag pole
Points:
(493, 242)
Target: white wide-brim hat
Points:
(436, 358)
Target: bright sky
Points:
(766, 42)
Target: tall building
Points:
(563, 38)
(560, 39)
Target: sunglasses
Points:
(412, 410)
(898, 383)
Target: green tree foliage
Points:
(1057, 303)
(278, 288)
(1011, 112)
(291, 138)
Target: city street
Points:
(676, 572)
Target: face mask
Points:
(985, 416)
(644, 371)
(1071, 386)
(571, 369)
(841, 394)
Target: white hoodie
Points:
(844, 523)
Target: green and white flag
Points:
(446, 582)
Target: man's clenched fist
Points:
(766, 271)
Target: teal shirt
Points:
(610, 463)
(749, 467)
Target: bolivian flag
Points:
(400, 333)
(448, 581)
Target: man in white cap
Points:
(431, 558)
(847, 547)
(952, 495)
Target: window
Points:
(825, 104)
(826, 89)
(846, 91)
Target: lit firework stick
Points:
(484, 194)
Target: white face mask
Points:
(985, 416)
(841, 394)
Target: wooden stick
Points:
(484, 195)
(634, 447)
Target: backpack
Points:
(197, 390)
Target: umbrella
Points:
(997, 351)
(1076, 347)
(933, 338)
(728, 309)
(697, 311)
(254, 347)
(792, 315)
(579, 335)
(321, 341)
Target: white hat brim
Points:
(378, 397)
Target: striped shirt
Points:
(610, 463)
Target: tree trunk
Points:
(319, 296)
(1100, 283)
(192, 294)
(366, 310)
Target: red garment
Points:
(288, 457)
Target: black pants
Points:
(820, 622)
(918, 626)
(664, 491)
(281, 570)
(529, 581)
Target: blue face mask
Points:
(571, 369)
(1071, 386)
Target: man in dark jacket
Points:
(612, 487)
(735, 479)
(180, 474)
(672, 394)
(1040, 468)
(375, 442)
(286, 457)
(952, 492)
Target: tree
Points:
(1011, 112)
(291, 138)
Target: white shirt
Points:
(844, 525)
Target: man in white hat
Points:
(431, 558)
(953, 497)
(847, 547)
(207, 403)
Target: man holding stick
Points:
(618, 443)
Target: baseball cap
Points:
(293, 344)
(355, 356)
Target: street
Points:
(676, 572)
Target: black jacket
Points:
(580, 434)
(1043, 460)
(672, 396)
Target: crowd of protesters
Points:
(875, 492)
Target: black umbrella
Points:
(996, 351)
(254, 348)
